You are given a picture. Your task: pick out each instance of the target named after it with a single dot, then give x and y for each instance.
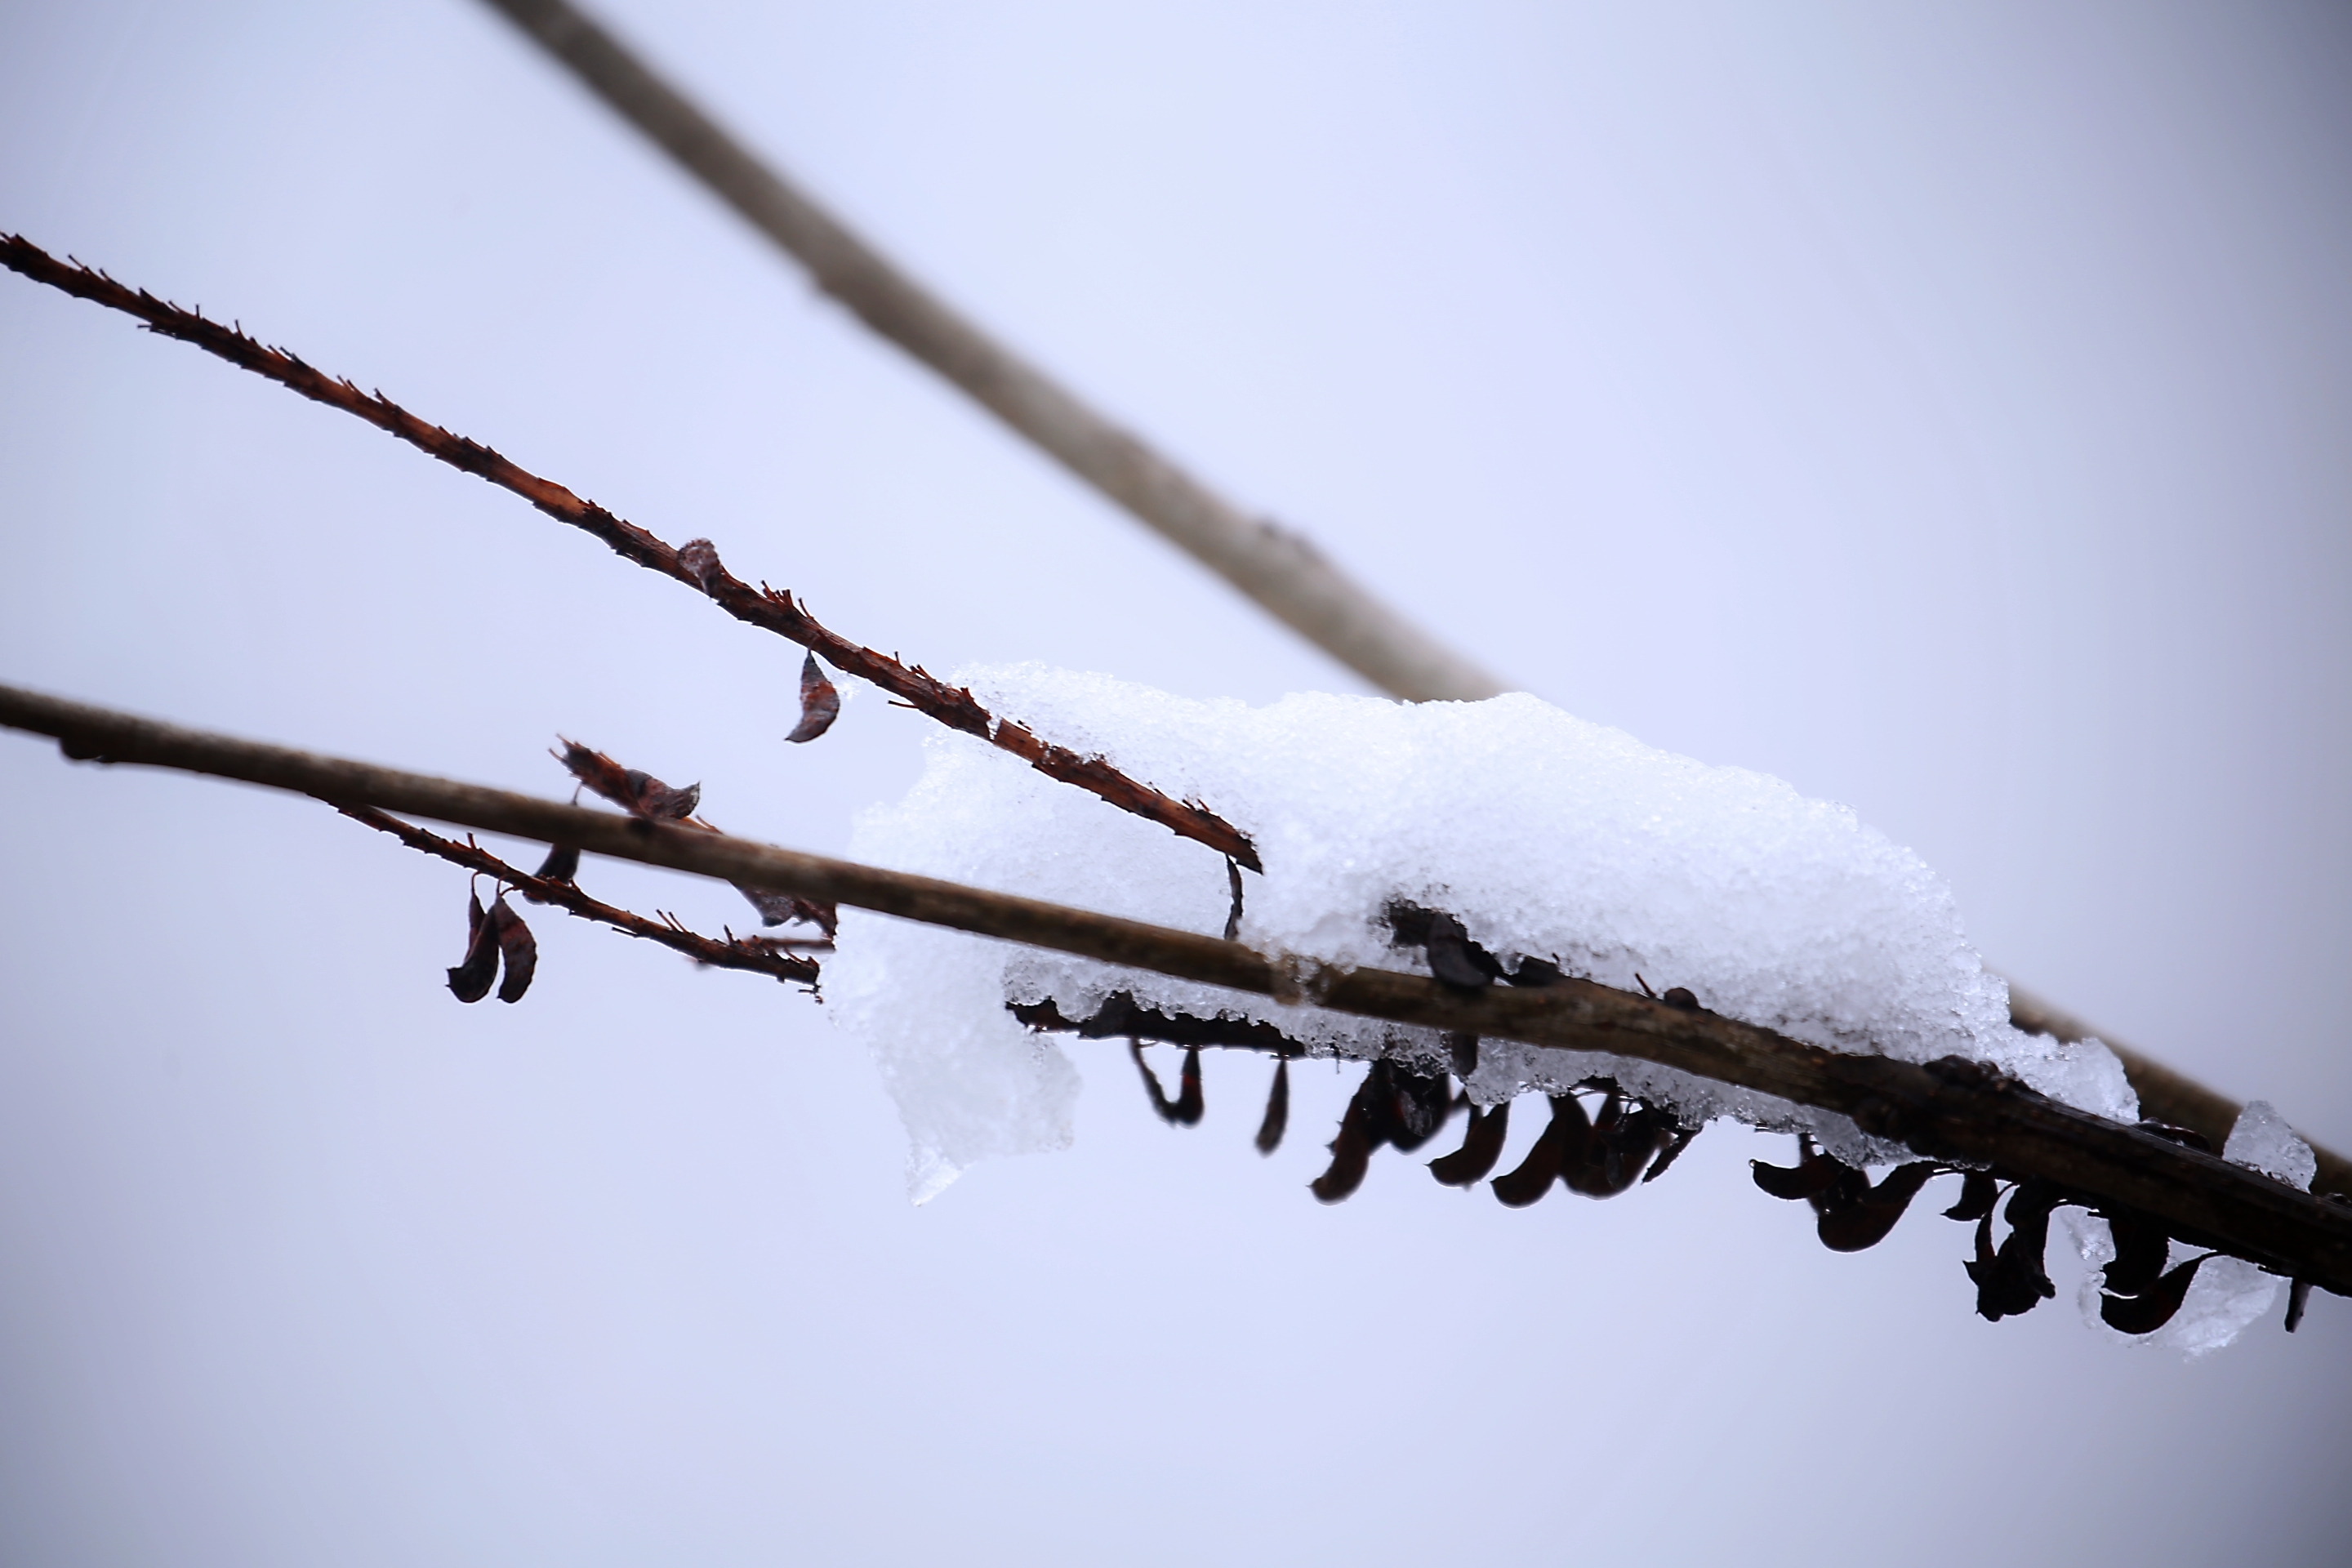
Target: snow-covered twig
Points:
(1951, 1111)
(696, 564)
(754, 954)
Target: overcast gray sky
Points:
(1941, 407)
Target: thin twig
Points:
(696, 564)
(1953, 1110)
(1284, 573)
(758, 955)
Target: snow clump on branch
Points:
(1547, 837)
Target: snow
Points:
(1548, 836)
(2261, 1139)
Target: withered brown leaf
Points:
(2150, 1310)
(1271, 1127)
(518, 947)
(820, 703)
(1867, 1220)
(775, 909)
(634, 790)
(470, 981)
(1482, 1145)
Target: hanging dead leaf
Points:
(1277, 1119)
(518, 947)
(1866, 1221)
(2147, 1312)
(1482, 1145)
(470, 981)
(820, 703)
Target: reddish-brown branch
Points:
(1956, 1111)
(754, 954)
(696, 564)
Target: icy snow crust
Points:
(1548, 836)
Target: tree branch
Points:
(756, 954)
(1281, 570)
(696, 564)
(1952, 1110)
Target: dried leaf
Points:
(1482, 1145)
(1621, 1142)
(470, 981)
(1813, 1176)
(1405, 1108)
(820, 703)
(1351, 1156)
(1233, 914)
(518, 947)
(1676, 1141)
(1978, 1192)
(1188, 1089)
(1277, 1119)
(1177, 1112)
(1454, 958)
(634, 791)
(1537, 972)
(561, 865)
(775, 909)
(2141, 1247)
(1562, 1137)
(2145, 1313)
(2012, 1280)
(1866, 1221)
(2298, 1293)
(1460, 1051)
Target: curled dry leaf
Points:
(2145, 1313)
(1352, 1155)
(1184, 1111)
(561, 865)
(820, 703)
(1482, 1145)
(1978, 1192)
(775, 909)
(1562, 1139)
(518, 947)
(2012, 1280)
(1277, 1119)
(1678, 1140)
(1867, 1220)
(1813, 1176)
(470, 981)
(632, 789)
(1623, 1138)
(2141, 1247)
